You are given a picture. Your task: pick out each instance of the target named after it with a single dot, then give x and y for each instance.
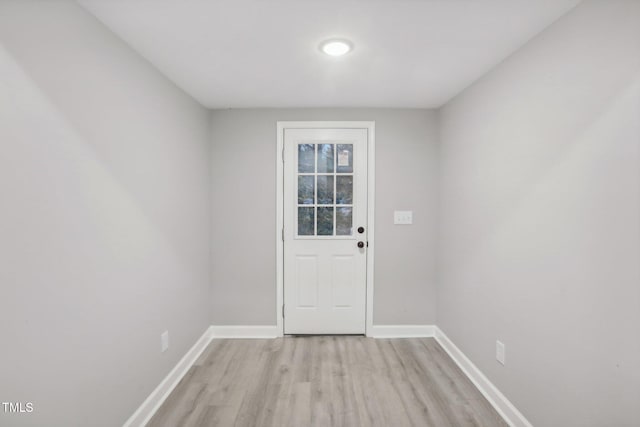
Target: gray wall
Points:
(104, 224)
(244, 215)
(540, 220)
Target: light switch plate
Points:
(403, 217)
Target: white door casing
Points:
(324, 205)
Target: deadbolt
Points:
(360, 230)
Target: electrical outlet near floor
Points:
(500, 352)
(164, 341)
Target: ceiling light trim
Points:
(336, 47)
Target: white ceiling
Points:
(264, 53)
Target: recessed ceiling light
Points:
(336, 47)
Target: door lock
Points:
(361, 245)
(360, 230)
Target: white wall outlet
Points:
(403, 217)
(164, 341)
(500, 352)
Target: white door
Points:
(325, 231)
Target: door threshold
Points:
(322, 335)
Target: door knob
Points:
(361, 245)
(360, 230)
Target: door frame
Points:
(281, 126)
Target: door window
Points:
(325, 190)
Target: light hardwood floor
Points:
(326, 381)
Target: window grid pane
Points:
(325, 190)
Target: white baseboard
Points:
(377, 331)
(502, 405)
(149, 407)
(402, 331)
(243, 331)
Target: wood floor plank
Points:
(325, 381)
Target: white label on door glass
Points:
(343, 158)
